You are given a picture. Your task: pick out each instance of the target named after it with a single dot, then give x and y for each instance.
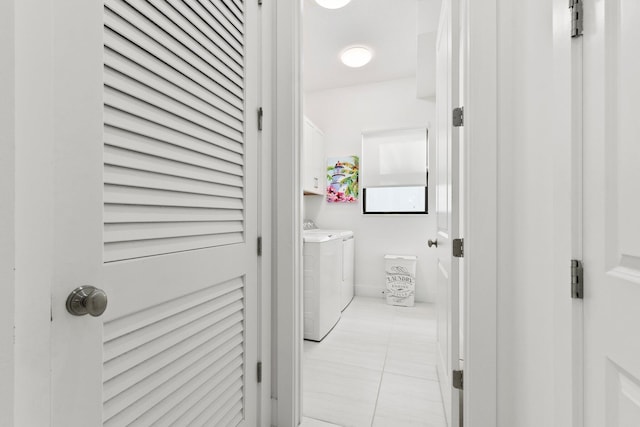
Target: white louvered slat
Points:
(187, 165)
(175, 373)
(118, 175)
(148, 409)
(156, 387)
(166, 347)
(215, 387)
(176, 346)
(139, 337)
(229, 16)
(231, 415)
(139, 108)
(160, 62)
(117, 328)
(237, 40)
(132, 17)
(239, 4)
(145, 196)
(172, 402)
(145, 248)
(145, 137)
(146, 231)
(139, 74)
(124, 85)
(114, 214)
(118, 37)
(134, 192)
(234, 8)
(226, 73)
(118, 398)
(211, 170)
(190, 27)
(208, 411)
(206, 27)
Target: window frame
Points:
(426, 203)
(363, 189)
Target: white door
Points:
(611, 217)
(447, 208)
(156, 204)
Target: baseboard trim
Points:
(369, 291)
(274, 412)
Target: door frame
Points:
(480, 165)
(286, 104)
(28, 49)
(450, 349)
(479, 78)
(568, 354)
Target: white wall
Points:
(525, 206)
(343, 114)
(34, 194)
(427, 24)
(534, 306)
(7, 205)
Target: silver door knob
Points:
(87, 300)
(433, 243)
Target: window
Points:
(394, 168)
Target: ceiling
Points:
(389, 27)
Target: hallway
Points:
(376, 368)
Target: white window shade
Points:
(394, 158)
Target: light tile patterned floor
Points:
(376, 368)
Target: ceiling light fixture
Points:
(333, 4)
(356, 56)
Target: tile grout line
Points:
(444, 412)
(384, 364)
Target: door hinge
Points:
(260, 115)
(259, 2)
(259, 372)
(458, 248)
(457, 377)
(259, 245)
(577, 279)
(577, 18)
(458, 117)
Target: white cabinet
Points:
(313, 163)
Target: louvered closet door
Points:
(178, 184)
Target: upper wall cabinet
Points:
(313, 167)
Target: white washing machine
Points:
(322, 254)
(347, 282)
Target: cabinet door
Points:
(307, 171)
(319, 169)
(313, 168)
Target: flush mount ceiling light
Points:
(333, 4)
(356, 56)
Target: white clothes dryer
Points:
(321, 286)
(347, 269)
